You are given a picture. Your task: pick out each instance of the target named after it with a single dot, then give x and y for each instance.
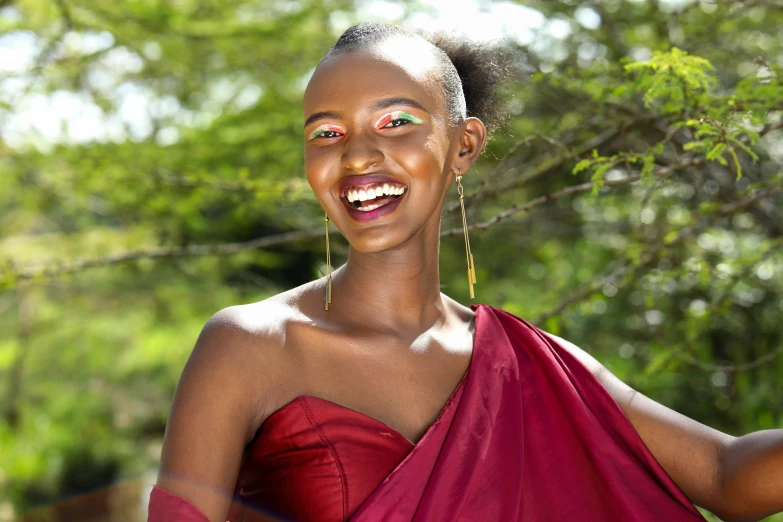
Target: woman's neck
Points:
(391, 291)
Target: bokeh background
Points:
(151, 173)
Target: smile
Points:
(370, 197)
(370, 202)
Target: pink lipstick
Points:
(372, 196)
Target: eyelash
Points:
(319, 133)
(401, 120)
(323, 132)
(397, 116)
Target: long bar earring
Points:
(468, 254)
(328, 299)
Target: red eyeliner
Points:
(385, 121)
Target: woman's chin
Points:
(371, 240)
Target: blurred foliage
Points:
(636, 189)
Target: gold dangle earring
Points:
(471, 267)
(328, 298)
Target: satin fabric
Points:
(167, 507)
(535, 437)
(314, 460)
(528, 435)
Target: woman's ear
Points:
(473, 136)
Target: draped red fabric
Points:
(535, 437)
(167, 507)
(528, 435)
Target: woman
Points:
(383, 399)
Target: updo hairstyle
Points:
(473, 74)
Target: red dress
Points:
(528, 435)
(314, 460)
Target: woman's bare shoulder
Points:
(233, 377)
(260, 325)
(255, 338)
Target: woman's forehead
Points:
(358, 77)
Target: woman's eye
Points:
(326, 133)
(397, 119)
(396, 123)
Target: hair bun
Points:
(484, 69)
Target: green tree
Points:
(631, 204)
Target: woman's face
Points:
(376, 127)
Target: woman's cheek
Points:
(421, 159)
(316, 174)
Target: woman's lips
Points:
(371, 215)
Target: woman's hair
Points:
(473, 74)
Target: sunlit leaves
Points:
(673, 77)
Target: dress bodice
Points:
(315, 460)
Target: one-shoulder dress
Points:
(529, 434)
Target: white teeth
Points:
(372, 192)
(369, 207)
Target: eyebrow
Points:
(322, 116)
(377, 106)
(391, 102)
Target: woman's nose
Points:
(360, 154)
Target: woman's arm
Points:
(738, 479)
(752, 476)
(214, 414)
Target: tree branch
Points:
(574, 189)
(731, 368)
(42, 270)
(614, 272)
(485, 191)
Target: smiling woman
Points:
(397, 402)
